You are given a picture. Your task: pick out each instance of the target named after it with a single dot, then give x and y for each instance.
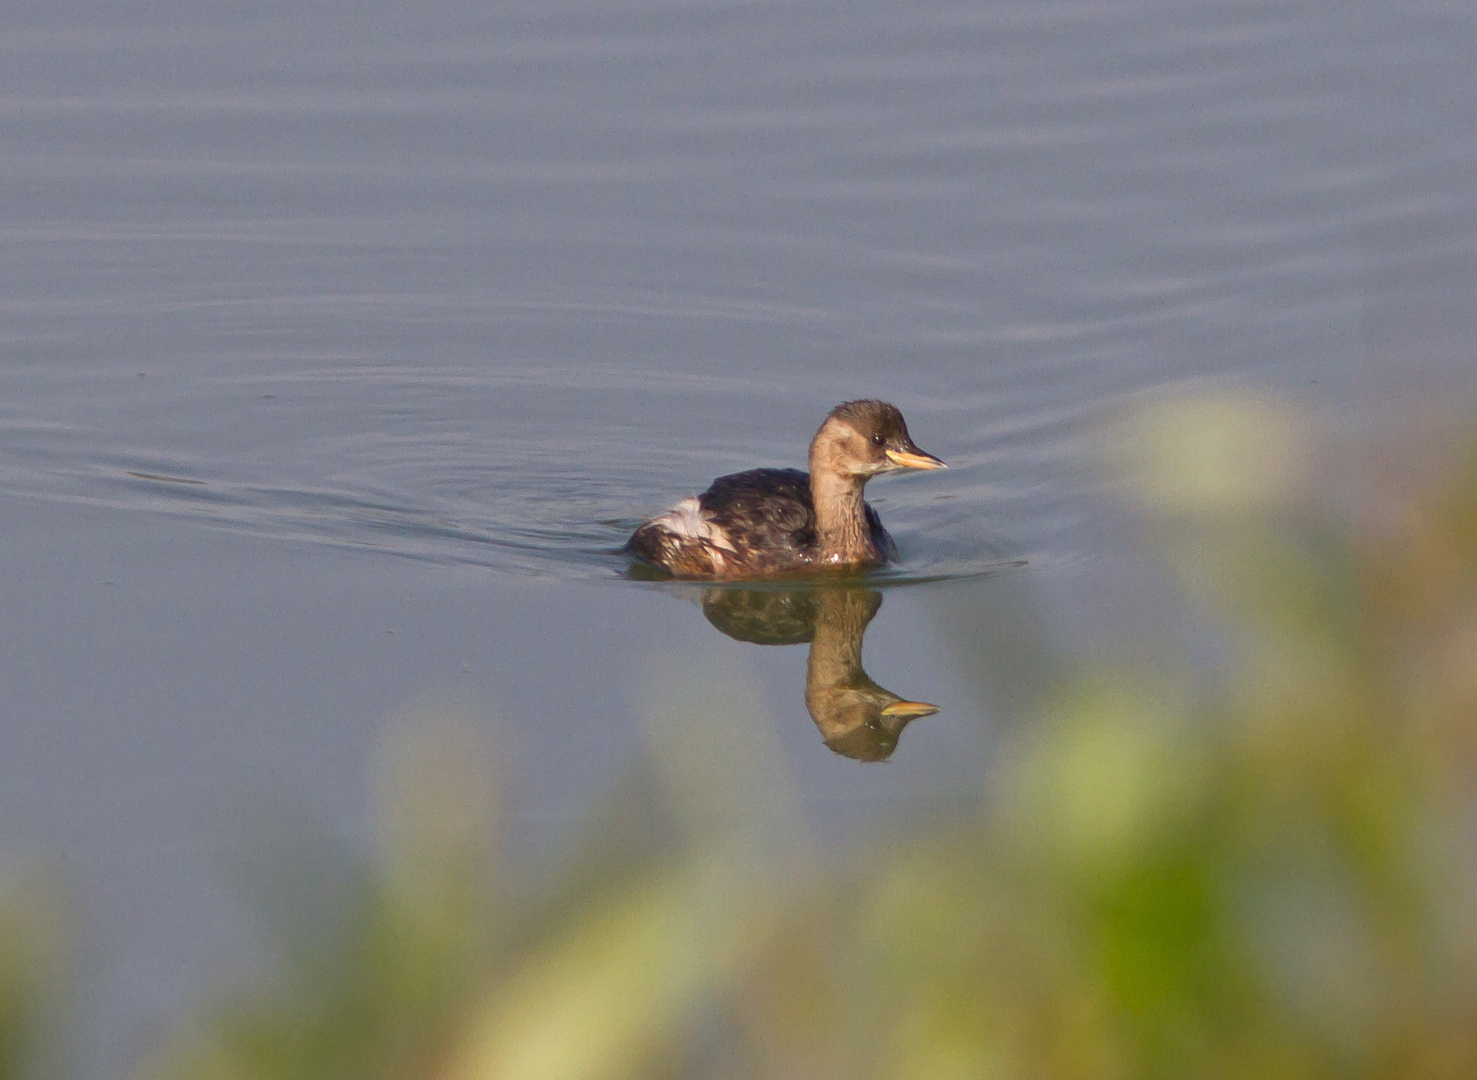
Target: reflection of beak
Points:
(909, 710)
(913, 458)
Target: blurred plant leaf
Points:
(34, 961)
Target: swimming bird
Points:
(770, 522)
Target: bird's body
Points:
(774, 522)
(752, 524)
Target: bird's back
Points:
(766, 515)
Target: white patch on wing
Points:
(686, 520)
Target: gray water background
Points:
(341, 343)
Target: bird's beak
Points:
(913, 458)
(909, 710)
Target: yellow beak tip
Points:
(914, 461)
(912, 710)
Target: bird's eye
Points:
(877, 439)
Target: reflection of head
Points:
(856, 717)
(875, 732)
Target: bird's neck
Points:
(840, 517)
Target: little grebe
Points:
(782, 521)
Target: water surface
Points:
(341, 344)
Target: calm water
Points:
(341, 344)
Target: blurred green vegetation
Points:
(1267, 870)
(34, 965)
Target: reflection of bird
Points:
(855, 716)
(779, 521)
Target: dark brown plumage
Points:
(769, 522)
